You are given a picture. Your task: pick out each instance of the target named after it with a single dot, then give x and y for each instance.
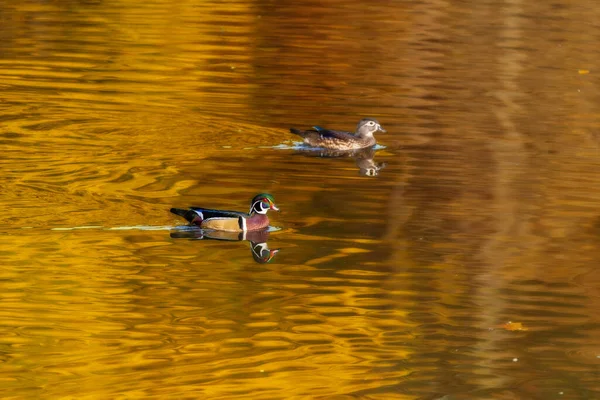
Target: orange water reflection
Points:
(398, 285)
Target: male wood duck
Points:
(340, 140)
(231, 221)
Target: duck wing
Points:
(199, 214)
(321, 133)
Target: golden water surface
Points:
(467, 268)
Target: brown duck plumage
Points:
(341, 140)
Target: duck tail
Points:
(189, 215)
(297, 132)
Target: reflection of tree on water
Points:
(258, 240)
(363, 158)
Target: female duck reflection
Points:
(359, 145)
(362, 157)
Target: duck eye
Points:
(371, 123)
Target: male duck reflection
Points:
(231, 221)
(341, 140)
(258, 240)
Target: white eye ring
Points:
(371, 123)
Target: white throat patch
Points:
(260, 210)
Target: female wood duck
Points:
(231, 221)
(340, 140)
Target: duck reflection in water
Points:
(258, 240)
(362, 157)
(359, 145)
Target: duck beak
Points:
(381, 129)
(274, 207)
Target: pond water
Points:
(467, 267)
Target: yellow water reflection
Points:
(397, 282)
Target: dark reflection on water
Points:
(363, 158)
(399, 284)
(259, 248)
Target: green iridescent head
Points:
(261, 203)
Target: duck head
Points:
(261, 203)
(368, 126)
(261, 252)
